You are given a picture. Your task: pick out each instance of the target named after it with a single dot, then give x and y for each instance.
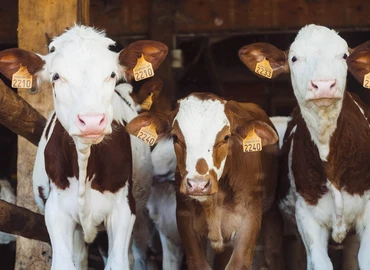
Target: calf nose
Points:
(323, 88)
(91, 123)
(198, 186)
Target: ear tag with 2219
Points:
(143, 69)
(264, 69)
(22, 78)
(252, 143)
(148, 134)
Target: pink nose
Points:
(324, 88)
(91, 123)
(198, 186)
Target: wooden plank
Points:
(8, 22)
(130, 17)
(19, 116)
(37, 18)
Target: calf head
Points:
(316, 61)
(203, 128)
(83, 72)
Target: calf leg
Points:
(363, 229)
(61, 228)
(172, 254)
(79, 250)
(315, 238)
(272, 235)
(245, 239)
(140, 238)
(193, 246)
(119, 225)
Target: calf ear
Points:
(359, 62)
(149, 93)
(255, 53)
(263, 130)
(160, 121)
(153, 51)
(12, 59)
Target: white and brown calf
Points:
(88, 170)
(221, 191)
(326, 183)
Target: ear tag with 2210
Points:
(22, 78)
(252, 143)
(143, 69)
(264, 69)
(148, 134)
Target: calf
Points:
(88, 170)
(221, 191)
(326, 187)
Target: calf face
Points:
(203, 127)
(316, 60)
(83, 73)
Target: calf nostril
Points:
(188, 183)
(207, 185)
(314, 85)
(80, 120)
(333, 84)
(102, 121)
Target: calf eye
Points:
(227, 137)
(294, 58)
(52, 49)
(175, 138)
(345, 56)
(55, 77)
(113, 75)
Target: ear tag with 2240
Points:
(22, 78)
(147, 103)
(148, 134)
(252, 143)
(264, 69)
(143, 69)
(366, 82)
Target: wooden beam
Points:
(37, 18)
(162, 28)
(23, 222)
(19, 116)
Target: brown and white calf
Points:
(222, 192)
(327, 142)
(88, 170)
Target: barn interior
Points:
(203, 37)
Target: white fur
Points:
(85, 64)
(200, 121)
(164, 159)
(7, 194)
(280, 123)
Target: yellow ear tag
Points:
(143, 69)
(148, 134)
(147, 103)
(22, 78)
(264, 69)
(366, 83)
(252, 143)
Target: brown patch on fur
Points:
(221, 147)
(201, 167)
(109, 163)
(180, 148)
